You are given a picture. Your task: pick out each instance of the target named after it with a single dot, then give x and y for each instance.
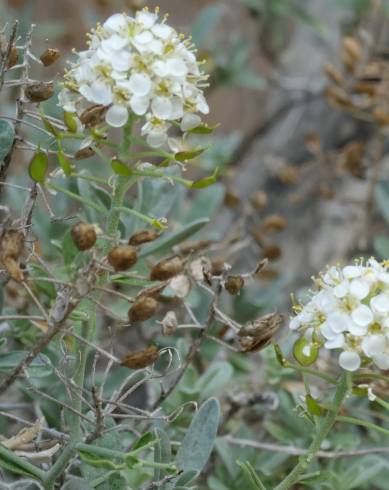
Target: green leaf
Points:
(184, 156)
(120, 168)
(186, 478)
(77, 484)
(144, 440)
(203, 129)
(15, 464)
(214, 379)
(65, 163)
(7, 135)
(206, 181)
(70, 121)
(69, 249)
(251, 475)
(169, 240)
(198, 442)
(314, 408)
(39, 367)
(162, 452)
(381, 246)
(38, 166)
(47, 124)
(382, 198)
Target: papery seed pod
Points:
(153, 291)
(39, 91)
(199, 267)
(141, 358)
(50, 56)
(122, 257)
(83, 235)
(143, 236)
(352, 49)
(381, 116)
(333, 73)
(13, 268)
(259, 200)
(94, 115)
(258, 334)
(180, 285)
(169, 323)
(272, 252)
(143, 309)
(11, 245)
(84, 153)
(273, 222)
(234, 284)
(166, 269)
(13, 57)
(218, 266)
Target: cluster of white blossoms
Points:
(349, 311)
(138, 65)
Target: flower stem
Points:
(322, 432)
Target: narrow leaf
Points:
(184, 156)
(66, 165)
(120, 168)
(198, 442)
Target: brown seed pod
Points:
(259, 200)
(143, 236)
(143, 309)
(333, 73)
(11, 247)
(258, 334)
(122, 257)
(338, 97)
(83, 235)
(272, 252)
(381, 116)
(94, 115)
(352, 49)
(39, 91)
(141, 358)
(234, 284)
(13, 57)
(232, 199)
(84, 153)
(273, 223)
(50, 56)
(166, 269)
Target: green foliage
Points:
(7, 134)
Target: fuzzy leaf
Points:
(7, 134)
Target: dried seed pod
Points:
(258, 334)
(166, 269)
(288, 174)
(273, 223)
(141, 358)
(272, 252)
(333, 73)
(122, 257)
(218, 266)
(234, 284)
(13, 57)
(381, 116)
(169, 323)
(352, 49)
(84, 153)
(11, 247)
(94, 115)
(338, 97)
(39, 91)
(259, 200)
(83, 235)
(50, 56)
(351, 159)
(13, 269)
(180, 285)
(232, 199)
(199, 267)
(143, 309)
(143, 236)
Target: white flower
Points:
(349, 311)
(142, 66)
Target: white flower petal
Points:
(177, 67)
(362, 315)
(139, 105)
(162, 107)
(140, 84)
(335, 343)
(382, 361)
(352, 271)
(146, 18)
(114, 42)
(98, 92)
(349, 361)
(190, 121)
(373, 345)
(144, 37)
(359, 288)
(342, 289)
(380, 304)
(117, 116)
(115, 23)
(156, 139)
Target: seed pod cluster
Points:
(166, 269)
(122, 257)
(11, 248)
(84, 235)
(143, 309)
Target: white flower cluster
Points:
(349, 311)
(139, 65)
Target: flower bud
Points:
(39, 91)
(122, 257)
(50, 56)
(141, 358)
(143, 236)
(166, 269)
(169, 323)
(143, 309)
(83, 235)
(94, 115)
(234, 284)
